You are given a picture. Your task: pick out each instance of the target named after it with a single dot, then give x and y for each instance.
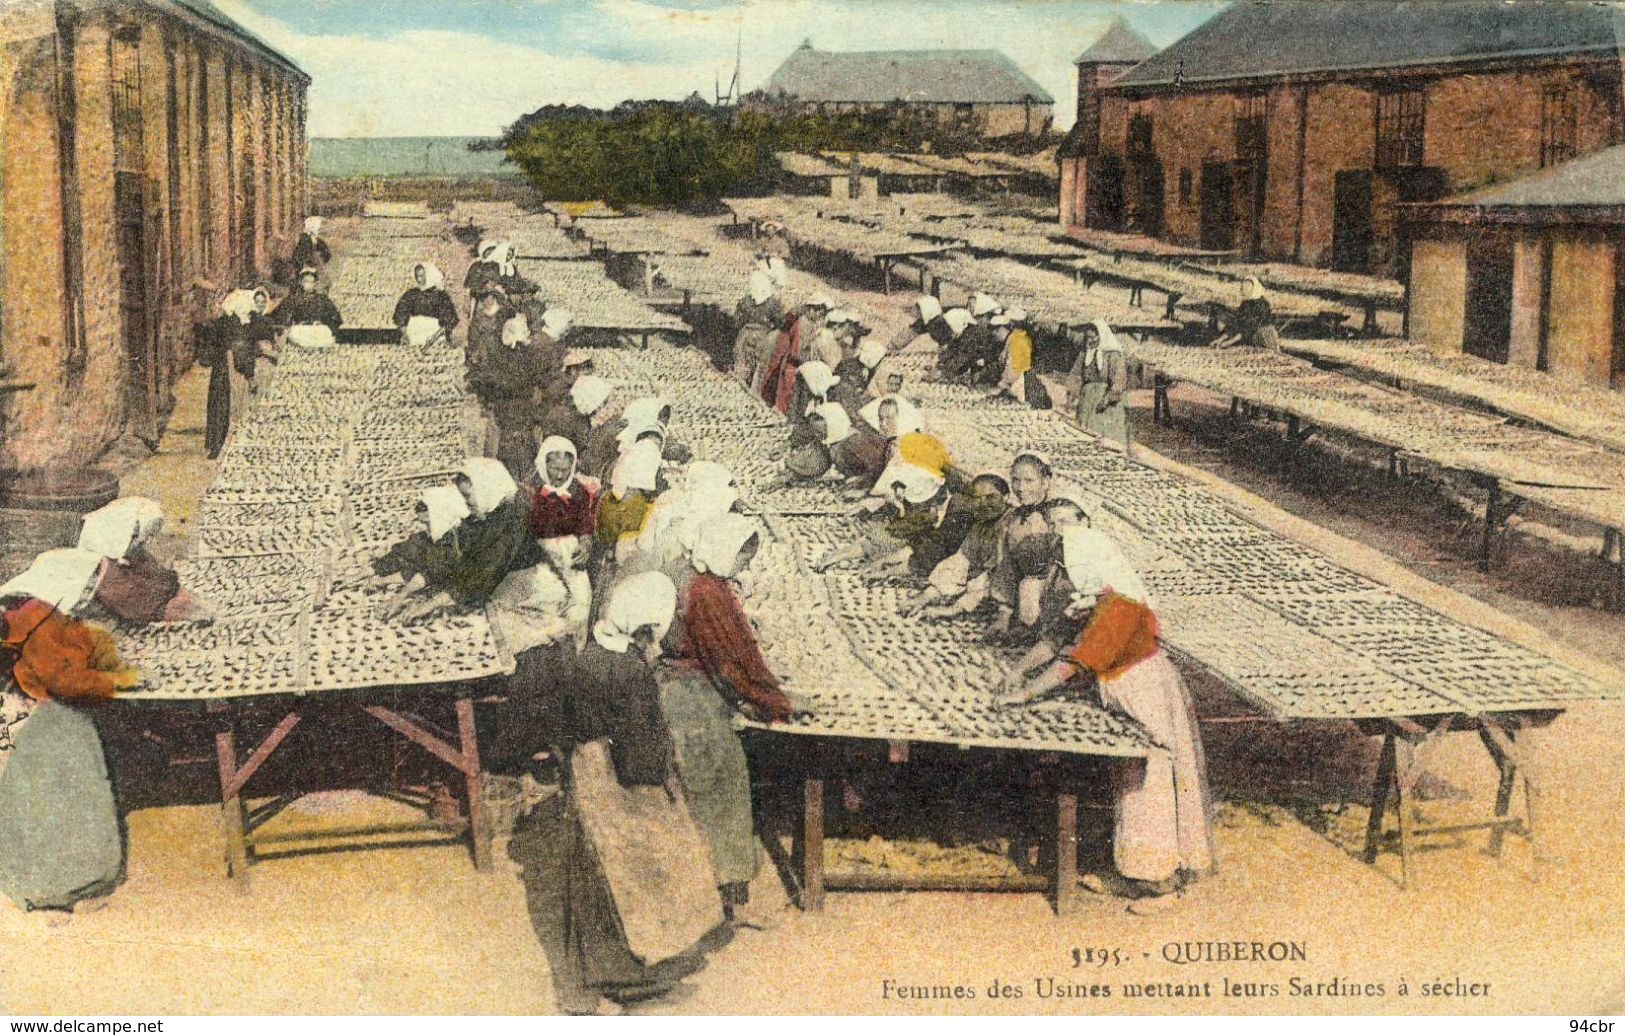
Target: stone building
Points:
(1529, 273)
(1294, 130)
(1102, 63)
(978, 93)
(152, 154)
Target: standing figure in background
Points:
(983, 342)
(485, 328)
(779, 376)
(258, 342)
(427, 297)
(61, 842)
(1101, 377)
(507, 382)
(492, 262)
(856, 372)
(631, 932)
(956, 346)
(583, 411)
(1017, 378)
(218, 343)
(814, 381)
(311, 251)
(547, 338)
(758, 315)
(719, 670)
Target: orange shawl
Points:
(63, 658)
(1120, 634)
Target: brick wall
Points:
(1478, 128)
(85, 396)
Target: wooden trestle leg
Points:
(812, 845)
(1066, 852)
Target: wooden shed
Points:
(1529, 273)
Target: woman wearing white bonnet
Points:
(720, 672)
(1100, 376)
(1253, 323)
(1163, 837)
(61, 844)
(759, 316)
(426, 299)
(132, 584)
(618, 777)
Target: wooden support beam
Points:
(479, 827)
(233, 817)
(1066, 852)
(812, 845)
(261, 753)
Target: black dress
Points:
(218, 343)
(307, 307)
(506, 381)
(311, 253)
(431, 302)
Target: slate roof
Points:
(883, 76)
(1120, 44)
(1252, 40)
(1586, 190)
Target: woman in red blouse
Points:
(566, 502)
(1163, 836)
(719, 669)
(61, 844)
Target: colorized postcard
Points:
(733, 507)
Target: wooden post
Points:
(1405, 774)
(1492, 504)
(479, 828)
(1380, 790)
(1503, 792)
(812, 845)
(1529, 755)
(234, 817)
(1066, 852)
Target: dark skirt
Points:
(639, 939)
(531, 719)
(217, 423)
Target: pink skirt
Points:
(1163, 823)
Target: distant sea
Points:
(341, 157)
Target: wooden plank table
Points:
(826, 762)
(241, 825)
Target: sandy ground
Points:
(418, 930)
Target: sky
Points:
(470, 67)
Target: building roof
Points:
(883, 76)
(207, 11)
(1588, 189)
(1120, 44)
(1264, 41)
